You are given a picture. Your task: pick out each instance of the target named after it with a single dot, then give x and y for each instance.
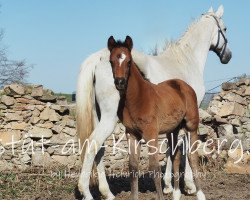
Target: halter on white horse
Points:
(184, 59)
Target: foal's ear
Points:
(129, 42)
(111, 43)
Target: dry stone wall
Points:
(38, 129)
(35, 126)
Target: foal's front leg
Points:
(134, 157)
(154, 167)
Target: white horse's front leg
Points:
(97, 138)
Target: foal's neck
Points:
(136, 87)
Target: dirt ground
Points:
(37, 184)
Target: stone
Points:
(54, 117)
(50, 150)
(220, 120)
(232, 97)
(23, 100)
(48, 98)
(47, 125)
(14, 89)
(40, 107)
(34, 120)
(49, 114)
(214, 107)
(247, 91)
(19, 126)
(61, 100)
(57, 129)
(231, 108)
(71, 123)
(9, 136)
(60, 109)
(36, 113)
(203, 129)
(2, 106)
(44, 115)
(63, 160)
(25, 158)
(62, 138)
(204, 116)
(226, 130)
(8, 101)
(236, 122)
(238, 168)
(228, 86)
(37, 132)
(247, 126)
(13, 117)
(37, 91)
(40, 160)
(69, 131)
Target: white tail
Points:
(85, 99)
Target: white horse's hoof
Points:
(88, 198)
(191, 191)
(110, 197)
(201, 195)
(168, 190)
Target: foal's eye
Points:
(225, 29)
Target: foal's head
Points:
(120, 60)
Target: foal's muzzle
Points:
(120, 83)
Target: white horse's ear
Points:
(210, 10)
(220, 11)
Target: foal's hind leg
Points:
(134, 156)
(176, 160)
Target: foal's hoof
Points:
(167, 190)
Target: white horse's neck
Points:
(194, 45)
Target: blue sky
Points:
(56, 36)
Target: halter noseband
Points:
(221, 53)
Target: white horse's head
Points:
(219, 43)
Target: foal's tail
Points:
(85, 101)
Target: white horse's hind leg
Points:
(168, 177)
(188, 175)
(97, 138)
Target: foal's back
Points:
(175, 100)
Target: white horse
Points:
(184, 59)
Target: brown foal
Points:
(147, 110)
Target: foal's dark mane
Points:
(119, 44)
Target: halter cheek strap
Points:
(220, 32)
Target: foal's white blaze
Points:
(122, 58)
